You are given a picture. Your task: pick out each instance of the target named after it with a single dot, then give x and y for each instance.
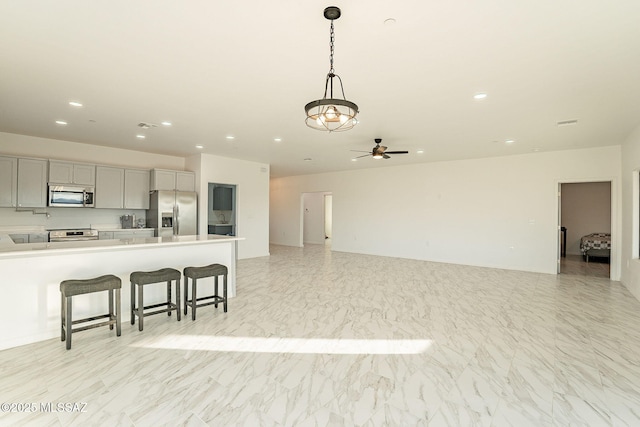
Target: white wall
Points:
(252, 198)
(630, 276)
(496, 212)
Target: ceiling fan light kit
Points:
(329, 113)
(380, 151)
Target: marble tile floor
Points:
(321, 338)
(576, 265)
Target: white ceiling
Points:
(247, 69)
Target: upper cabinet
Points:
(118, 188)
(136, 189)
(163, 179)
(71, 173)
(8, 182)
(32, 183)
(109, 187)
(222, 199)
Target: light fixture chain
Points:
(331, 39)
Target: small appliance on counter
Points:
(128, 221)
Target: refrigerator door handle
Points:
(177, 217)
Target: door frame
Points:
(614, 260)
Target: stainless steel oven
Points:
(73, 235)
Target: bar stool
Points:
(195, 273)
(71, 288)
(142, 278)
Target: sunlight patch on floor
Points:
(289, 345)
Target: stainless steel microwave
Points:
(71, 196)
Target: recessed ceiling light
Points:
(480, 96)
(354, 160)
(277, 139)
(61, 122)
(200, 147)
(140, 136)
(231, 137)
(166, 123)
(567, 122)
(308, 159)
(509, 141)
(75, 104)
(420, 151)
(535, 150)
(389, 21)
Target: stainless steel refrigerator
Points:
(173, 213)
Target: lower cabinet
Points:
(125, 234)
(30, 238)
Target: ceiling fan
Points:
(379, 151)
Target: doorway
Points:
(222, 209)
(317, 212)
(584, 241)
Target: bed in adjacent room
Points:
(596, 245)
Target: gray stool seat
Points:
(71, 288)
(195, 273)
(142, 278)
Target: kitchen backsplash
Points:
(65, 217)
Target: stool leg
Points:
(193, 299)
(178, 298)
(111, 307)
(224, 290)
(62, 314)
(168, 297)
(69, 323)
(118, 313)
(186, 294)
(215, 290)
(140, 307)
(133, 303)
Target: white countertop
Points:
(22, 229)
(52, 248)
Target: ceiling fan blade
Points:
(360, 151)
(397, 152)
(365, 155)
(382, 148)
(384, 156)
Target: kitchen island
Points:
(31, 274)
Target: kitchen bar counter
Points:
(31, 273)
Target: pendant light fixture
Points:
(329, 113)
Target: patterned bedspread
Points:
(595, 241)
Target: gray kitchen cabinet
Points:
(109, 187)
(163, 179)
(32, 183)
(132, 233)
(30, 238)
(136, 189)
(8, 182)
(185, 181)
(19, 238)
(71, 173)
(126, 234)
(38, 237)
(224, 229)
(105, 235)
(222, 199)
